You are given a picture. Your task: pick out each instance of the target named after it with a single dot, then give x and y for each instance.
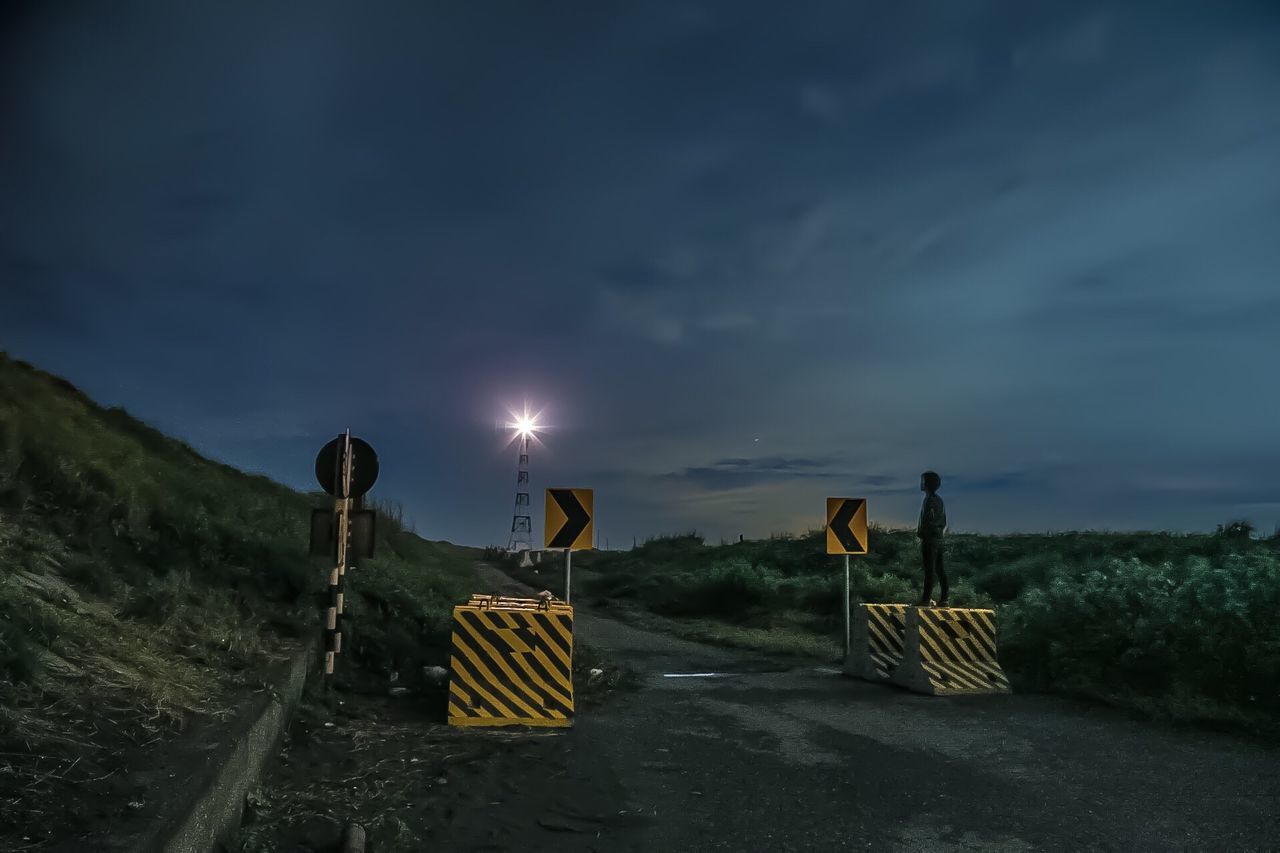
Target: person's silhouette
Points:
(933, 523)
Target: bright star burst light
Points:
(525, 424)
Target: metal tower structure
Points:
(521, 521)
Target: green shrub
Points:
(731, 589)
(793, 556)
(1006, 581)
(818, 594)
(883, 588)
(886, 546)
(1198, 628)
(1236, 530)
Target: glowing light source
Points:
(525, 424)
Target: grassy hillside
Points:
(138, 576)
(1173, 625)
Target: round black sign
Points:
(364, 467)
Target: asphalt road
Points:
(765, 756)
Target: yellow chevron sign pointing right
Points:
(568, 519)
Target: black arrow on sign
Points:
(576, 519)
(840, 525)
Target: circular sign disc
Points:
(364, 467)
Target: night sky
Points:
(744, 255)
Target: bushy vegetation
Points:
(401, 601)
(1176, 625)
(756, 582)
(1197, 636)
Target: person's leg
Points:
(942, 574)
(927, 553)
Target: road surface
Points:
(763, 756)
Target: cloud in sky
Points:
(1031, 248)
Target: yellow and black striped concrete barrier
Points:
(875, 644)
(512, 663)
(950, 651)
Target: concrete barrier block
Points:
(950, 651)
(875, 645)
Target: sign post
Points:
(846, 534)
(346, 468)
(847, 606)
(568, 524)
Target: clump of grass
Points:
(401, 603)
(158, 601)
(19, 663)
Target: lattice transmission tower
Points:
(521, 521)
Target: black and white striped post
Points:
(347, 468)
(338, 575)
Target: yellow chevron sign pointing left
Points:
(569, 523)
(846, 525)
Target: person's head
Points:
(930, 482)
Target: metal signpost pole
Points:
(568, 573)
(846, 605)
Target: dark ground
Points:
(94, 787)
(109, 771)
(771, 756)
(415, 784)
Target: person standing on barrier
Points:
(933, 523)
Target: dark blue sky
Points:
(746, 254)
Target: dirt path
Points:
(776, 756)
(806, 759)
